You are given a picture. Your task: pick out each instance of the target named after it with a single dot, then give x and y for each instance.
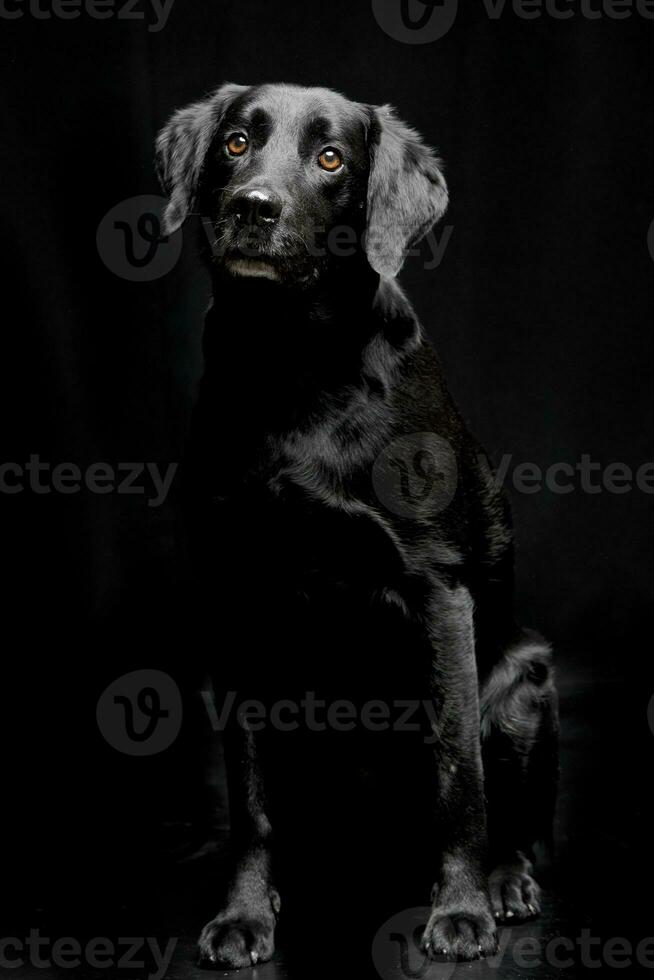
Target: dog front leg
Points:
(242, 934)
(461, 924)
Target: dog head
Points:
(295, 180)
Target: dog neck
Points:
(283, 352)
(321, 329)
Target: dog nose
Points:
(257, 208)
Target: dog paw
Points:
(514, 894)
(462, 934)
(240, 937)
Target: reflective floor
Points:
(588, 909)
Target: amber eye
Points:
(330, 159)
(237, 144)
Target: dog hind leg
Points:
(519, 732)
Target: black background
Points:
(541, 311)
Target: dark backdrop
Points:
(541, 310)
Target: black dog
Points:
(348, 530)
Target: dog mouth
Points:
(282, 256)
(287, 267)
(256, 268)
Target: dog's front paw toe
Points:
(514, 894)
(237, 941)
(460, 935)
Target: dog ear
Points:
(181, 148)
(407, 192)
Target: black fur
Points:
(315, 364)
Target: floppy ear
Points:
(181, 149)
(407, 192)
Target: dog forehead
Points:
(296, 109)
